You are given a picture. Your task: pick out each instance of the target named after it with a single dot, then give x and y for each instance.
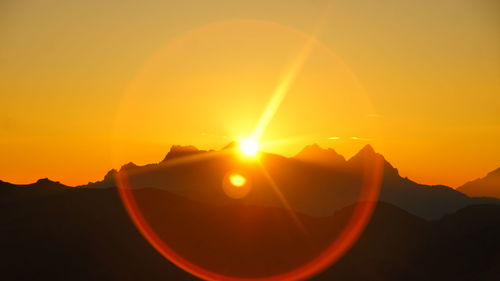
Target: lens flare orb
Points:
(237, 180)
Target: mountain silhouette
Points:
(489, 186)
(315, 154)
(62, 233)
(107, 182)
(11, 193)
(418, 232)
(316, 181)
(181, 151)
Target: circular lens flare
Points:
(236, 185)
(260, 232)
(237, 180)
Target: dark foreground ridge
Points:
(54, 232)
(50, 232)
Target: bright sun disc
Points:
(237, 180)
(249, 147)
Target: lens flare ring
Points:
(353, 229)
(351, 232)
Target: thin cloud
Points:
(360, 139)
(333, 138)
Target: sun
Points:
(249, 147)
(237, 180)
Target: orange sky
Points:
(88, 86)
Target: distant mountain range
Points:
(316, 181)
(53, 232)
(489, 186)
(418, 232)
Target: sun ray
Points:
(282, 198)
(282, 89)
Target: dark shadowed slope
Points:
(12, 194)
(430, 202)
(107, 182)
(57, 233)
(489, 186)
(69, 234)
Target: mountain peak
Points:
(110, 176)
(367, 149)
(366, 152)
(45, 181)
(315, 148)
(129, 165)
(316, 154)
(489, 186)
(180, 150)
(368, 155)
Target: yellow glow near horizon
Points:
(190, 83)
(249, 147)
(237, 180)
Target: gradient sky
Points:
(86, 86)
